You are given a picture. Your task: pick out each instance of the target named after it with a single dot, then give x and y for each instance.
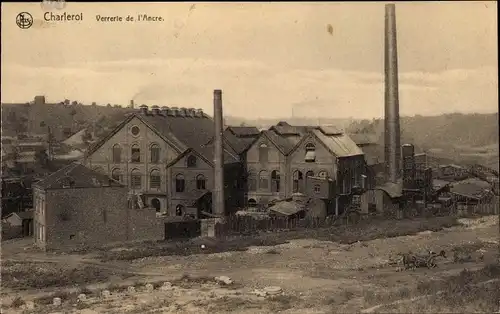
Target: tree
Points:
(74, 103)
(67, 102)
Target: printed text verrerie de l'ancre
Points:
(65, 17)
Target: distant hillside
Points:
(63, 119)
(465, 138)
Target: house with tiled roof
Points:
(166, 156)
(281, 160)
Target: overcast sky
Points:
(266, 57)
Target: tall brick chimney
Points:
(218, 193)
(391, 121)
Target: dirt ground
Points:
(315, 276)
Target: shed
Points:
(383, 198)
(22, 221)
(288, 209)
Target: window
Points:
(117, 154)
(263, 180)
(309, 174)
(323, 174)
(252, 203)
(179, 183)
(298, 181)
(275, 179)
(200, 182)
(135, 179)
(155, 203)
(155, 179)
(252, 181)
(135, 153)
(135, 130)
(310, 152)
(116, 174)
(191, 161)
(179, 209)
(155, 154)
(263, 153)
(317, 188)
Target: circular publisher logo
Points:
(24, 20)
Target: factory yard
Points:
(315, 275)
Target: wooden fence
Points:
(250, 225)
(246, 225)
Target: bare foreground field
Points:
(319, 271)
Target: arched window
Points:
(275, 179)
(155, 154)
(191, 161)
(252, 181)
(298, 181)
(135, 153)
(263, 153)
(135, 179)
(155, 179)
(310, 147)
(156, 204)
(116, 174)
(323, 174)
(252, 203)
(263, 180)
(179, 210)
(310, 152)
(180, 183)
(200, 182)
(117, 154)
(309, 174)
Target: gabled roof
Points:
(244, 131)
(78, 176)
(362, 139)
(285, 144)
(22, 215)
(180, 132)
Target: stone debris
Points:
(224, 280)
(29, 305)
(167, 286)
(105, 294)
(82, 297)
(149, 287)
(56, 301)
(273, 290)
(131, 289)
(260, 293)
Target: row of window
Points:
(155, 180)
(263, 180)
(309, 157)
(154, 154)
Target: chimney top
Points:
(155, 109)
(143, 109)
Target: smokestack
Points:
(391, 121)
(218, 156)
(409, 170)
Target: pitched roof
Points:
(287, 208)
(285, 144)
(364, 138)
(181, 132)
(341, 145)
(78, 176)
(394, 190)
(23, 215)
(243, 131)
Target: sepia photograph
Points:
(249, 157)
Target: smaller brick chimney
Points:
(164, 110)
(199, 113)
(131, 103)
(143, 109)
(155, 109)
(39, 100)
